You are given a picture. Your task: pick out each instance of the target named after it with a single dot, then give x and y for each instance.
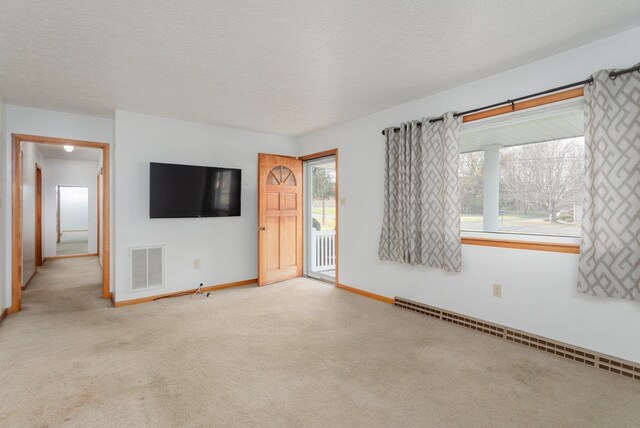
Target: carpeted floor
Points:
(299, 353)
(74, 242)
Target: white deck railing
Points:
(323, 250)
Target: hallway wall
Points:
(70, 173)
(3, 236)
(74, 208)
(30, 156)
(100, 184)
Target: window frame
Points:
(560, 244)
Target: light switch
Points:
(343, 201)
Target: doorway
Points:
(320, 219)
(17, 204)
(72, 220)
(289, 224)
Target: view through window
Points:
(524, 175)
(320, 212)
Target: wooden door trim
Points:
(523, 245)
(98, 215)
(16, 210)
(317, 155)
(367, 294)
(337, 216)
(38, 208)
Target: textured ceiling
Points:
(286, 67)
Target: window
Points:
(522, 173)
(471, 179)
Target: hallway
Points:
(65, 285)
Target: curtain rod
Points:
(612, 76)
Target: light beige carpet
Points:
(300, 353)
(73, 242)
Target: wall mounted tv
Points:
(178, 191)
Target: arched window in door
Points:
(281, 176)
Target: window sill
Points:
(569, 245)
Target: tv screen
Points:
(193, 191)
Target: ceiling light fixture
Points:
(68, 149)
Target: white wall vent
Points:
(147, 267)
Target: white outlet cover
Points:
(343, 201)
(196, 263)
(497, 290)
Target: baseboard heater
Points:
(583, 356)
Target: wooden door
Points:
(279, 218)
(38, 215)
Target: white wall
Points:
(30, 157)
(74, 208)
(100, 185)
(538, 287)
(3, 177)
(227, 247)
(25, 120)
(64, 172)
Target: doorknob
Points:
(262, 228)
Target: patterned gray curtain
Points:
(610, 251)
(421, 224)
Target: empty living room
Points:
(412, 213)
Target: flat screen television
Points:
(178, 191)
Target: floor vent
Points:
(147, 267)
(560, 349)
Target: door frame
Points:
(98, 214)
(318, 155)
(16, 211)
(38, 215)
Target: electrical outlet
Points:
(196, 263)
(497, 290)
